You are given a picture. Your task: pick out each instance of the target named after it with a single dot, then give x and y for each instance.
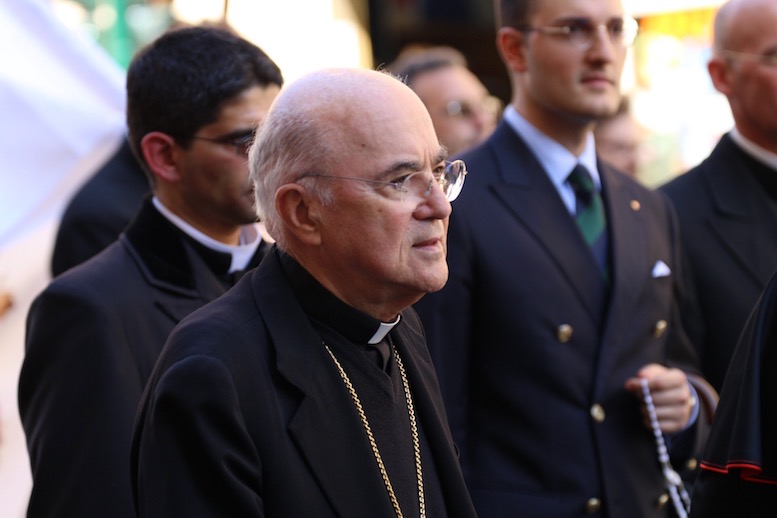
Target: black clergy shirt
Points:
(347, 331)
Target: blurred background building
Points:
(666, 78)
(62, 100)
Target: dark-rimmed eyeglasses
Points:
(582, 31)
(768, 59)
(450, 178)
(241, 143)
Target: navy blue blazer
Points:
(532, 352)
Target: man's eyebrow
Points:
(583, 20)
(442, 155)
(411, 166)
(571, 19)
(239, 133)
(401, 166)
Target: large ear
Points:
(720, 74)
(159, 151)
(299, 211)
(511, 44)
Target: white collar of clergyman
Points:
(241, 254)
(754, 150)
(383, 330)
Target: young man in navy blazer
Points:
(548, 325)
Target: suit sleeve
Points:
(77, 402)
(192, 454)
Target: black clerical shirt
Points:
(346, 331)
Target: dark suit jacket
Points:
(531, 354)
(100, 210)
(727, 223)
(245, 415)
(739, 470)
(92, 338)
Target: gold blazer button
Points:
(660, 328)
(564, 333)
(597, 412)
(593, 505)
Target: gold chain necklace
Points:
(374, 445)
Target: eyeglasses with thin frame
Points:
(769, 59)
(490, 106)
(582, 31)
(449, 177)
(241, 143)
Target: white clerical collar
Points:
(754, 150)
(383, 330)
(242, 254)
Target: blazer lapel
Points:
(742, 211)
(523, 185)
(325, 426)
(628, 241)
(180, 278)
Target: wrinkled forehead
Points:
(391, 125)
(362, 117)
(753, 25)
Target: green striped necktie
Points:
(589, 215)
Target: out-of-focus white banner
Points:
(61, 114)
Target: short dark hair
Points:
(416, 60)
(513, 13)
(180, 81)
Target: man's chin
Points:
(438, 284)
(249, 217)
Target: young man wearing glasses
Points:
(194, 98)
(561, 296)
(307, 390)
(727, 205)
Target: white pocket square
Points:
(660, 269)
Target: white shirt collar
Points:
(557, 161)
(250, 238)
(754, 150)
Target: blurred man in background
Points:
(727, 205)
(618, 139)
(462, 110)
